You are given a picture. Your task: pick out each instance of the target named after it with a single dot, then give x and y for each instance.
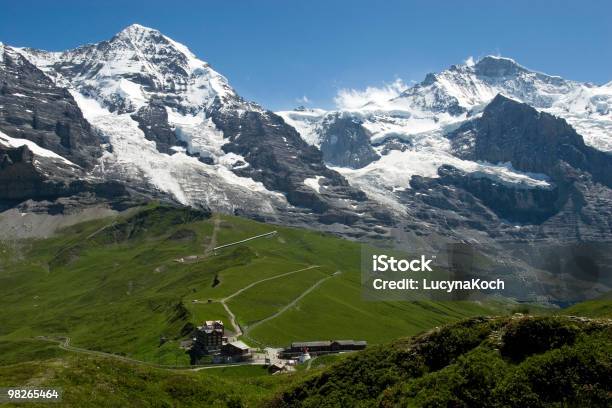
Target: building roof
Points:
(212, 325)
(239, 345)
(207, 329)
(305, 344)
(351, 342)
(302, 344)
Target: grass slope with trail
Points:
(114, 285)
(480, 362)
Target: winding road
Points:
(64, 344)
(292, 303)
(232, 316)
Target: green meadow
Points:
(89, 381)
(115, 285)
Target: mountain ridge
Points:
(168, 124)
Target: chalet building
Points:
(233, 352)
(210, 337)
(276, 367)
(280, 367)
(322, 347)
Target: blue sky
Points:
(276, 52)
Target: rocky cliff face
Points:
(47, 148)
(574, 205)
(282, 161)
(514, 203)
(510, 131)
(153, 122)
(346, 143)
(34, 108)
(35, 181)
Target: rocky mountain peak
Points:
(172, 125)
(499, 67)
(168, 124)
(137, 65)
(470, 86)
(136, 31)
(502, 101)
(152, 47)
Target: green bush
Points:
(562, 363)
(527, 336)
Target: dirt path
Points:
(211, 247)
(232, 316)
(249, 286)
(96, 232)
(309, 364)
(64, 344)
(213, 238)
(292, 303)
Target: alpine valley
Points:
(140, 196)
(484, 153)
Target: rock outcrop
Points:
(34, 108)
(346, 143)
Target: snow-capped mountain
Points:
(167, 122)
(454, 95)
(136, 65)
(381, 144)
(481, 151)
(141, 74)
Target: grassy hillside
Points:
(600, 307)
(485, 362)
(114, 285)
(101, 382)
(488, 362)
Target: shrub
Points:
(528, 336)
